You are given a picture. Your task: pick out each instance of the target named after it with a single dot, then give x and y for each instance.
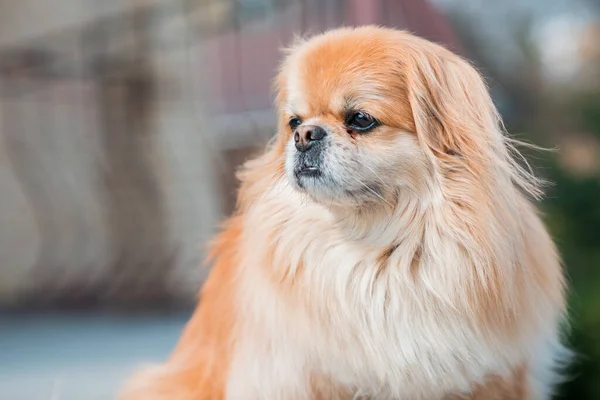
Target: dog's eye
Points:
(361, 121)
(294, 123)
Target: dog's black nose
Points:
(306, 135)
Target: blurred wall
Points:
(122, 124)
(106, 180)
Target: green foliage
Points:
(572, 211)
(573, 216)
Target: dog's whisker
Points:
(375, 193)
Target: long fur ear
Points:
(457, 121)
(278, 83)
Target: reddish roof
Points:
(242, 64)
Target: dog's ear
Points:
(452, 109)
(278, 86)
(457, 122)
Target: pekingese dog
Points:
(385, 245)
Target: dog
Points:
(386, 245)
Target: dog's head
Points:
(368, 113)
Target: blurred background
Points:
(122, 123)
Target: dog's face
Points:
(347, 121)
(366, 114)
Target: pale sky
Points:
(554, 27)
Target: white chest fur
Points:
(315, 303)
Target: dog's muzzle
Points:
(309, 144)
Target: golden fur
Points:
(415, 267)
